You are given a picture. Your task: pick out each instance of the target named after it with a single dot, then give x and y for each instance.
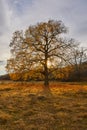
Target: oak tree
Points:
(40, 49)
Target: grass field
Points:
(22, 109)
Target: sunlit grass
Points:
(22, 109)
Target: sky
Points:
(19, 14)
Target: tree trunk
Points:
(46, 78)
(46, 89)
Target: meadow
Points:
(22, 108)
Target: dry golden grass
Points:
(22, 109)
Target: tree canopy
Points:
(40, 50)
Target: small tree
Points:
(42, 47)
(77, 60)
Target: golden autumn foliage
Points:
(41, 47)
(41, 52)
(31, 75)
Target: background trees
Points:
(40, 51)
(78, 63)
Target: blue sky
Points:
(19, 14)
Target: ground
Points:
(22, 108)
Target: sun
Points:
(48, 64)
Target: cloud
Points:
(2, 18)
(19, 14)
(1, 62)
(2, 67)
(4, 28)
